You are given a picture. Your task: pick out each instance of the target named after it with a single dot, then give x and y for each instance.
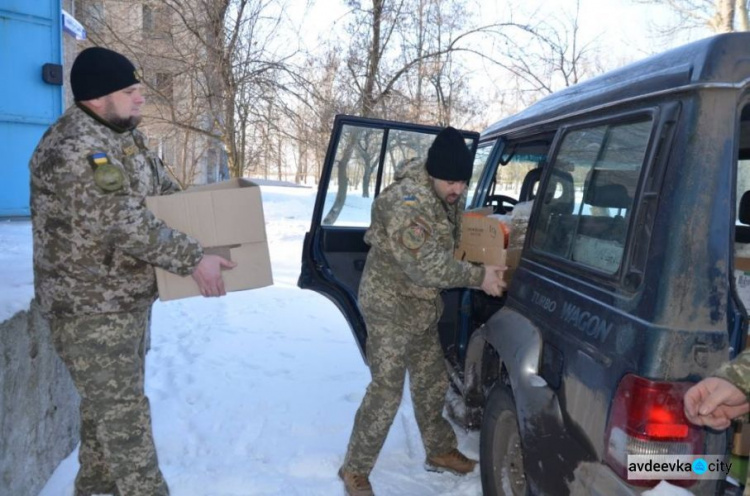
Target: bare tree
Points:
(741, 15)
(379, 59)
(244, 72)
(176, 111)
(322, 95)
(718, 16)
(223, 51)
(543, 57)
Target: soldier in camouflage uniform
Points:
(716, 400)
(95, 248)
(414, 227)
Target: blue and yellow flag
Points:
(97, 159)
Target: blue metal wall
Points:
(30, 37)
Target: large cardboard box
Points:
(482, 238)
(227, 219)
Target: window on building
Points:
(94, 18)
(156, 22)
(163, 84)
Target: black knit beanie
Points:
(97, 72)
(448, 158)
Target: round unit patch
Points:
(413, 237)
(109, 177)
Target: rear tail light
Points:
(647, 418)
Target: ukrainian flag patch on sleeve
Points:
(410, 200)
(98, 158)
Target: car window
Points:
(743, 184)
(509, 177)
(743, 168)
(352, 185)
(402, 147)
(742, 220)
(588, 198)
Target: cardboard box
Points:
(482, 239)
(227, 219)
(512, 259)
(742, 263)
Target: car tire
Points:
(500, 450)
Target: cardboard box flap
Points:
(234, 183)
(478, 212)
(216, 216)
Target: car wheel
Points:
(500, 449)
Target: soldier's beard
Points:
(124, 123)
(110, 115)
(443, 191)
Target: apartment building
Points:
(181, 114)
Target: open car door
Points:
(361, 160)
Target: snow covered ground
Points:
(255, 393)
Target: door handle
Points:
(52, 74)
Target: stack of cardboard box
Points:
(491, 240)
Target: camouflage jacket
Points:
(95, 243)
(412, 236)
(737, 372)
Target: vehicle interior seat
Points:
(530, 180)
(609, 227)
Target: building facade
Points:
(168, 49)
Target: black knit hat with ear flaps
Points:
(97, 72)
(449, 158)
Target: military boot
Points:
(453, 461)
(356, 484)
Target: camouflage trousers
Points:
(105, 356)
(402, 336)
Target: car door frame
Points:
(316, 274)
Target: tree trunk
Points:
(723, 20)
(343, 179)
(278, 158)
(743, 20)
(368, 108)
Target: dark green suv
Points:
(626, 290)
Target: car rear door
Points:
(363, 155)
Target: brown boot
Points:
(356, 484)
(453, 461)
